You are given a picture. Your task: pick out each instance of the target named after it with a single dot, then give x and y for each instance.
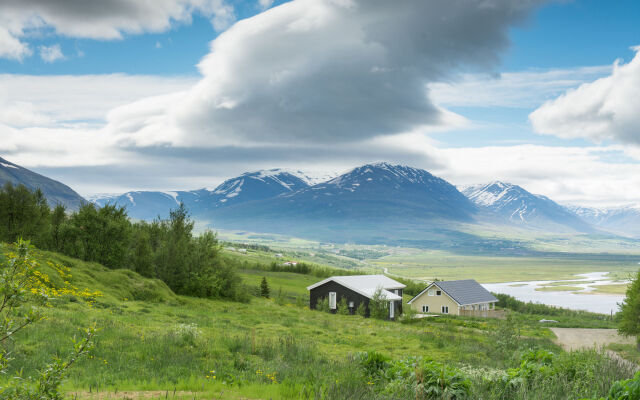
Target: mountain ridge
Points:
(54, 191)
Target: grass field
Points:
(153, 343)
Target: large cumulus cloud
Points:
(605, 109)
(318, 70)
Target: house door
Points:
(391, 309)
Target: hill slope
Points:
(521, 207)
(54, 191)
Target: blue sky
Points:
(558, 35)
(127, 92)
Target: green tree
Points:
(98, 234)
(264, 288)
(630, 311)
(56, 236)
(323, 305)
(378, 305)
(343, 307)
(362, 310)
(23, 214)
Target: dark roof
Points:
(466, 291)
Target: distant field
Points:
(428, 265)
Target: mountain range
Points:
(369, 203)
(54, 191)
(403, 198)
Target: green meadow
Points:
(152, 343)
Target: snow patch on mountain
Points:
(8, 165)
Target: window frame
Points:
(333, 297)
(445, 309)
(425, 309)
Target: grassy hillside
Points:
(152, 343)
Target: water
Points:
(599, 303)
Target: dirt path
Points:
(581, 338)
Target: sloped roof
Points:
(366, 285)
(463, 292)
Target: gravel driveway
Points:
(579, 338)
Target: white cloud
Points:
(578, 175)
(11, 47)
(105, 19)
(522, 89)
(27, 100)
(264, 4)
(606, 109)
(51, 53)
(314, 70)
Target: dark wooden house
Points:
(357, 289)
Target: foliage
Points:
(628, 389)
(343, 307)
(323, 305)
(409, 316)
(264, 288)
(378, 306)
(21, 283)
(630, 310)
(23, 214)
(362, 310)
(414, 377)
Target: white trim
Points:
(441, 289)
(333, 302)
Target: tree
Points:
(343, 307)
(378, 306)
(630, 311)
(264, 288)
(23, 214)
(98, 234)
(362, 310)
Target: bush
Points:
(362, 310)
(378, 306)
(343, 307)
(323, 305)
(628, 389)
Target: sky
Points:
(116, 95)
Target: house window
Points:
(425, 308)
(332, 300)
(432, 292)
(438, 293)
(351, 305)
(445, 309)
(391, 309)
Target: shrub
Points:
(362, 310)
(323, 305)
(416, 378)
(628, 389)
(378, 306)
(343, 307)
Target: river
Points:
(599, 303)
